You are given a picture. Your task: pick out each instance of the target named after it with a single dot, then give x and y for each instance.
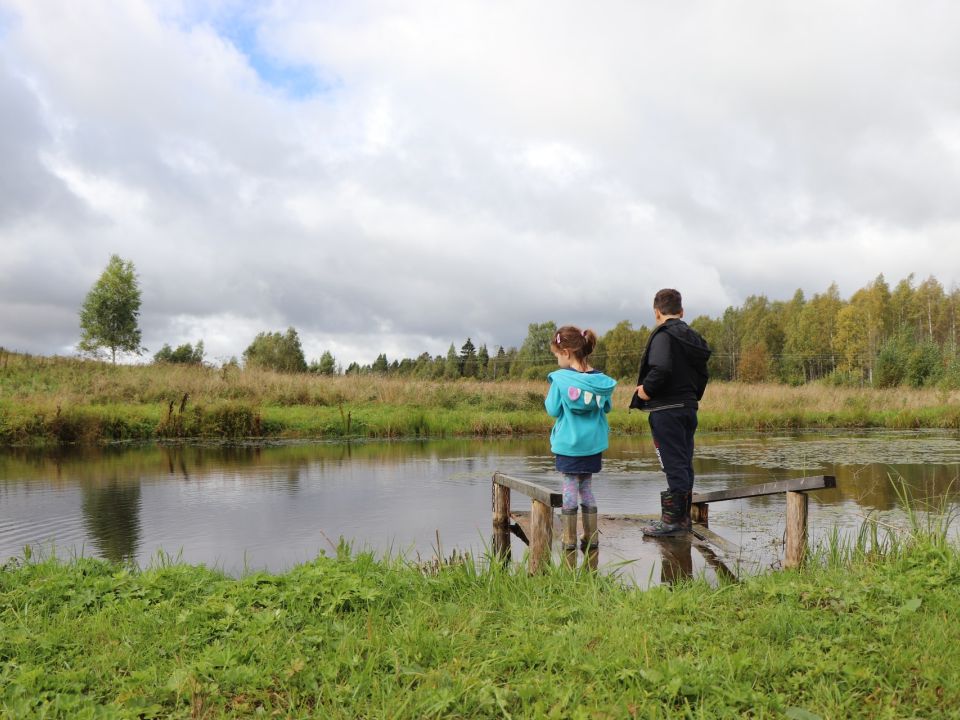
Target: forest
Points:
(879, 337)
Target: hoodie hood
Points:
(694, 345)
(583, 392)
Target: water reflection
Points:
(271, 506)
(112, 515)
(676, 558)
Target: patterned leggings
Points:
(573, 483)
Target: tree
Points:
(483, 360)
(468, 359)
(326, 365)
(380, 365)
(185, 354)
(620, 350)
(535, 358)
(451, 369)
(276, 351)
(109, 317)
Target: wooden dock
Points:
(536, 528)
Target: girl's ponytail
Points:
(580, 342)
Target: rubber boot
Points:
(674, 516)
(590, 540)
(569, 520)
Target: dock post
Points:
(501, 521)
(700, 513)
(796, 550)
(541, 536)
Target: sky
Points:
(397, 176)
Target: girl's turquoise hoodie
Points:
(580, 403)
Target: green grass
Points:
(60, 400)
(868, 635)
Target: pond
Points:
(268, 507)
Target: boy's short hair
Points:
(668, 302)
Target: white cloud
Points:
(464, 169)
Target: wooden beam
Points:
(817, 482)
(707, 535)
(796, 551)
(541, 536)
(501, 521)
(550, 498)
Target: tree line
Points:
(880, 336)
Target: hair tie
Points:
(557, 341)
(583, 333)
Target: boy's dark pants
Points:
(673, 431)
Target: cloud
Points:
(396, 177)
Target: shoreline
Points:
(106, 425)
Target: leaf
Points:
(911, 605)
(795, 713)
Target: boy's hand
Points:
(641, 393)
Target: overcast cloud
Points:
(396, 176)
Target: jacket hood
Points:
(583, 392)
(694, 345)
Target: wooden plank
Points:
(550, 498)
(521, 527)
(541, 536)
(707, 535)
(817, 482)
(796, 550)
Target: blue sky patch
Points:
(296, 81)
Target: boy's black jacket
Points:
(673, 370)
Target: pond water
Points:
(270, 506)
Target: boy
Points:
(673, 376)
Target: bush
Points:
(277, 351)
(925, 365)
(890, 369)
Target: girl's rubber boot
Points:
(569, 520)
(590, 540)
(674, 516)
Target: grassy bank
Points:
(67, 400)
(858, 636)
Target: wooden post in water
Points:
(700, 513)
(541, 536)
(796, 549)
(501, 521)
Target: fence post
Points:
(700, 513)
(541, 536)
(501, 520)
(796, 549)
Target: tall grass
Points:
(70, 400)
(927, 524)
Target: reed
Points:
(70, 400)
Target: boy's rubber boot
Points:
(569, 520)
(590, 540)
(674, 516)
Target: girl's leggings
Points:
(574, 483)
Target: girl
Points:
(579, 398)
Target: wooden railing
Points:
(796, 491)
(540, 534)
(540, 539)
